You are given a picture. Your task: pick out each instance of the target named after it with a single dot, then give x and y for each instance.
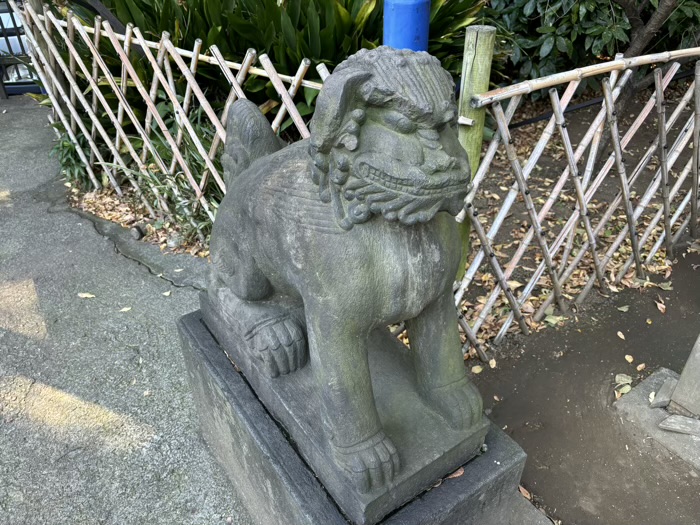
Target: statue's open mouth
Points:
(415, 182)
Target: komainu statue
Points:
(319, 244)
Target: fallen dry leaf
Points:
(629, 358)
(621, 335)
(477, 369)
(652, 396)
(624, 308)
(84, 295)
(492, 363)
(624, 389)
(525, 492)
(641, 366)
(457, 473)
(125, 309)
(167, 294)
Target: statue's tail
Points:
(248, 138)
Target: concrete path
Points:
(97, 424)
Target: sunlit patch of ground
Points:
(19, 308)
(61, 415)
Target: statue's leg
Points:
(272, 329)
(439, 364)
(338, 351)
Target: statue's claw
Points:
(370, 464)
(459, 403)
(281, 345)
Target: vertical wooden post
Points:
(476, 72)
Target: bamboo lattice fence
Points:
(551, 219)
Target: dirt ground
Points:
(553, 392)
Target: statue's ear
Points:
(338, 96)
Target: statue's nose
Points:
(436, 160)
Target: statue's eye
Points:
(399, 122)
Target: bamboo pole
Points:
(508, 202)
(528, 86)
(286, 99)
(227, 72)
(114, 119)
(110, 114)
(152, 94)
(488, 252)
(590, 165)
(120, 107)
(188, 97)
(203, 102)
(169, 75)
(159, 121)
(86, 106)
(71, 64)
(696, 158)
(609, 213)
(322, 72)
(293, 88)
(248, 61)
(573, 172)
(186, 53)
(624, 183)
(176, 106)
(471, 338)
(60, 92)
(658, 217)
(59, 112)
(529, 205)
(513, 193)
(661, 122)
(96, 42)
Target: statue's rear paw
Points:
(370, 464)
(459, 403)
(281, 345)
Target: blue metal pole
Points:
(406, 24)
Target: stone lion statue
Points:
(319, 243)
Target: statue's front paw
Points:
(459, 403)
(281, 345)
(370, 464)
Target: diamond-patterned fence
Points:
(599, 210)
(138, 147)
(599, 205)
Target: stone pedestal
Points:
(277, 486)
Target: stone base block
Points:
(635, 408)
(276, 485)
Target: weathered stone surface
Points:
(681, 425)
(267, 473)
(278, 487)
(686, 395)
(320, 245)
(634, 408)
(663, 397)
(428, 448)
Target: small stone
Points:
(681, 425)
(663, 396)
